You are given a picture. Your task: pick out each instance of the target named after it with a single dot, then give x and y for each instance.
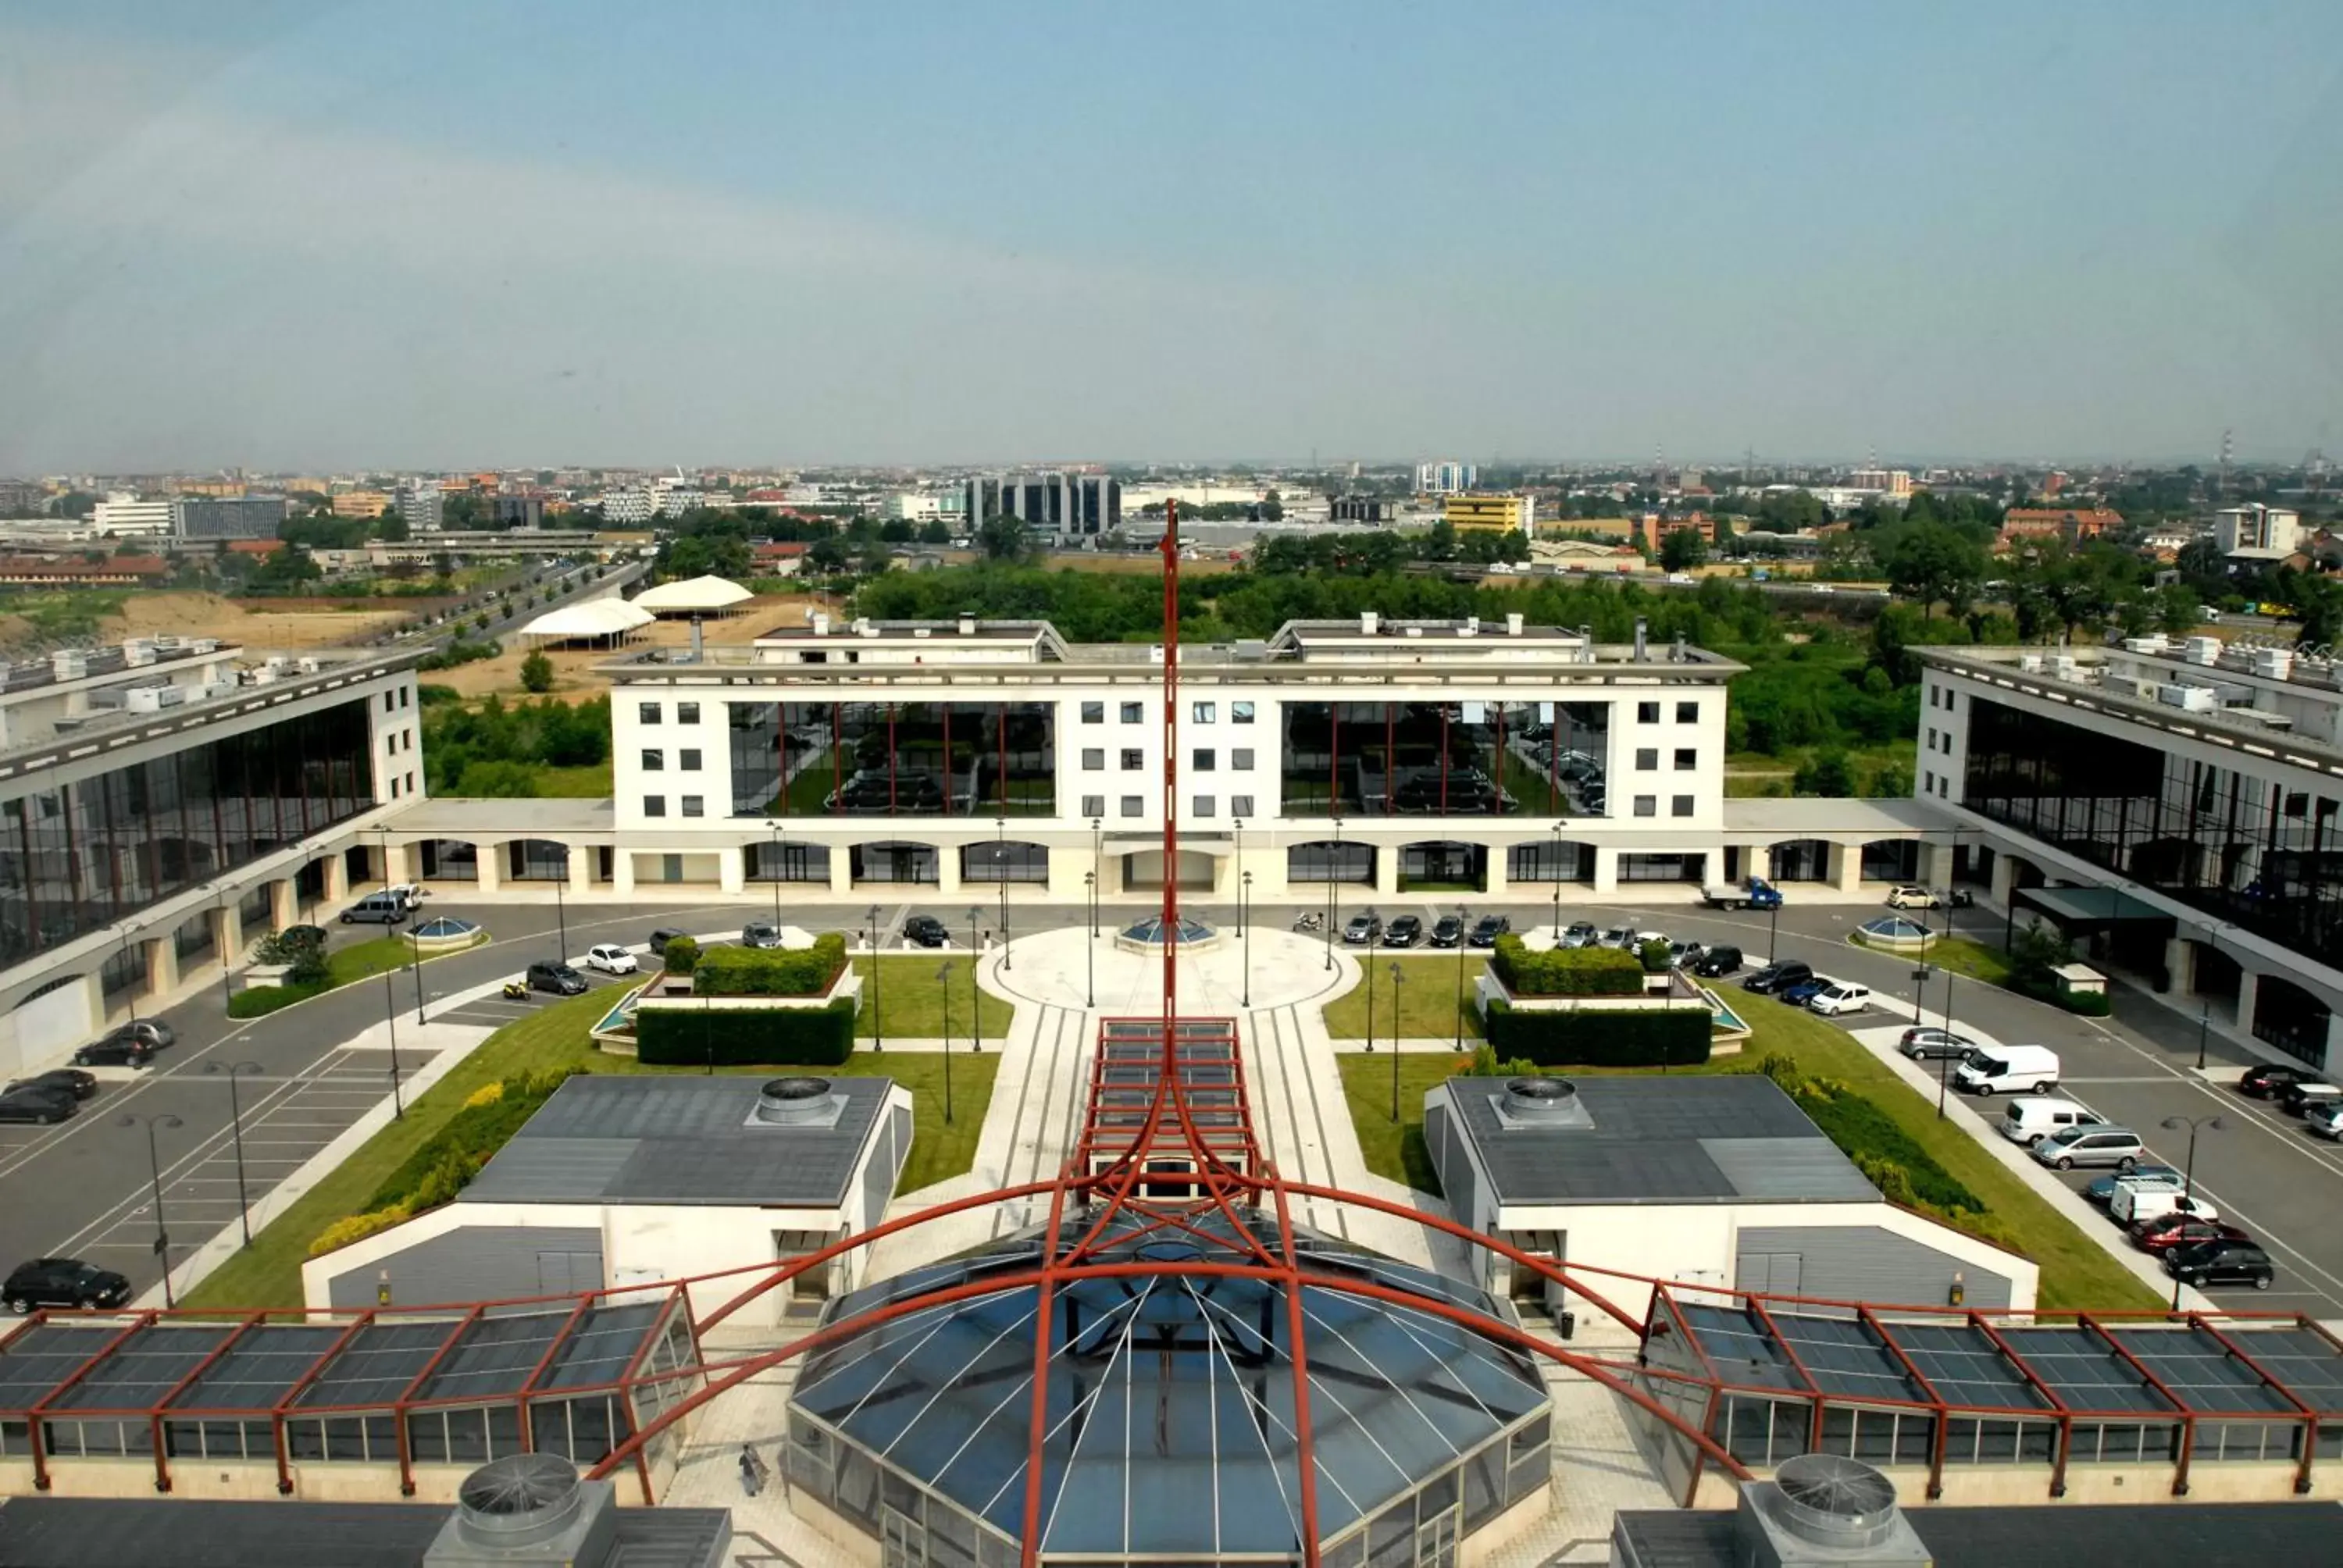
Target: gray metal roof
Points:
(2201, 1534)
(175, 1533)
(1675, 1138)
(685, 1140)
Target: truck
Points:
(1757, 893)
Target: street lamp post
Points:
(2211, 1123)
(2205, 1000)
(1089, 947)
(1555, 869)
(1920, 989)
(227, 959)
(776, 826)
(877, 963)
(1463, 915)
(1098, 865)
(943, 983)
(155, 1164)
(1367, 973)
(1397, 976)
(235, 1123)
(1944, 1061)
(1773, 928)
(1244, 934)
(134, 987)
(1000, 876)
(1333, 872)
(1237, 824)
(975, 1002)
(561, 908)
(390, 1022)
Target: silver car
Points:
(2091, 1145)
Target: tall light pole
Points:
(944, 984)
(2205, 1000)
(975, 1002)
(234, 1070)
(561, 909)
(1098, 863)
(877, 963)
(1943, 1060)
(155, 1164)
(2188, 1171)
(415, 947)
(1238, 824)
(1367, 976)
(1333, 871)
(1245, 933)
(1555, 868)
(227, 959)
(1000, 876)
(1396, 977)
(776, 826)
(390, 1022)
(1089, 947)
(1463, 915)
(134, 984)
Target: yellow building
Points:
(1503, 513)
(361, 504)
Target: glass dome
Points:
(444, 928)
(1150, 932)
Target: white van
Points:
(2028, 1121)
(2009, 1069)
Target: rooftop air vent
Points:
(1540, 1097)
(530, 1508)
(1643, 638)
(968, 626)
(1368, 621)
(1823, 1508)
(796, 1103)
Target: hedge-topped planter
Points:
(732, 994)
(1592, 1007)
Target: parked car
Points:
(1990, 1070)
(1487, 929)
(611, 959)
(1617, 936)
(760, 934)
(1911, 896)
(925, 930)
(547, 974)
(407, 893)
(1925, 1045)
(375, 910)
(1804, 991)
(114, 1050)
(2326, 1119)
(156, 1034)
(1778, 977)
(2137, 1206)
(2298, 1097)
(1838, 997)
(2029, 1121)
(2270, 1079)
(2220, 1264)
(664, 935)
(2103, 1190)
(1581, 934)
(58, 1080)
(42, 1106)
(2093, 1145)
(1448, 931)
(1404, 931)
(62, 1282)
(1683, 954)
(1716, 962)
(2169, 1230)
(1363, 928)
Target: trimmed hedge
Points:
(680, 956)
(1566, 971)
(741, 1036)
(1680, 1038)
(770, 971)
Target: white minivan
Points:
(2029, 1121)
(2009, 1069)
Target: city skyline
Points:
(273, 239)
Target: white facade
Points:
(628, 506)
(1445, 477)
(2258, 529)
(126, 514)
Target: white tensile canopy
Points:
(601, 619)
(694, 596)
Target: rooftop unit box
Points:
(205, 645)
(259, 675)
(1825, 1511)
(2152, 644)
(1514, 621)
(69, 663)
(2031, 663)
(138, 650)
(1368, 621)
(153, 699)
(531, 1509)
(2273, 663)
(1251, 651)
(2205, 650)
(2189, 699)
(2064, 667)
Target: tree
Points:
(2176, 608)
(2318, 604)
(2034, 952)
(1272, 508)
(1932, 561)
(935, 531)
(1683, 549)
(1829, 773)
(536, 672)
(896, 530)
(391, 528)
(1003, 538)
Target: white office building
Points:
(123, 513)
(2257, 532)
(627, 508)
(1445, 477)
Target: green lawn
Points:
(1964, 955)
(2076, 1270)
(591, 783)
(918, 1006)
(1427, 1001)
(269, 1274)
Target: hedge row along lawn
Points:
(1891, 1119)
(343, 966)
(553, 1040)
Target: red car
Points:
(2166, 1232)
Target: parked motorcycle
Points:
(516, 991)
(1962, 899)
(1313, 921)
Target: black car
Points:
(558, 977)
(1447, 932)
(2269, 1081)
(62, 1282)
(153, 1031)
(1778, 977)
(2221, 1263)
(1363, 928)
(664, 935)
(42, 1106)
(114, 1050)
(1488, 929)
(927, 930)
(1403, 933)
(58, 1080)
(1718, 961)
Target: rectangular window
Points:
(1133, 760)
(1239, 713)
(1648, 805)
(1093, 758)
(1240, 805)
(387, 706)
(1093, 713)
(1093, 805)
(1687, 713)
(403, 695)
(1132, 712)
(1205, 712)
(1242, 758)
(1680, 806)
(394, 788)
(649, 712)
(654, 805)
(653, 761)
(1932, 737)
(1204, 759)
(686, 713)
(1687, 759)
(695, 806)
(1132, 804)
(1927, 783)
(1203, 804)
(1648, 758)
(689, 760)
(1647, 713)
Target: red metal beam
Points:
(2063, 1416)
(1305, 1446)
(2310, 1414)
(1039, 1430)
(276, 1415)
(528, 1384)
(398, 1407)
(1920, 1381)
(162, 1405)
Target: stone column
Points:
(489, 860)
(947, 870)
(1387, 857)
(162, 966)
(337, 877)
(398, 862)
(622, 873)
(2180, 966)
(284, 907)
(2003, 878)
(581, 868)
(732, 869)
(1936, 864)
(1496, 884)
(1847, 867)
(1607, 869)
(842, 869)
(227, 934)
(2250, 985)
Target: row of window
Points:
(1648, 758)
(1649, 806)
(686, 760)
(1201, 759)
(1197, 712)
(685, 712)
(686, 805)
(392, 701)
(1240, 805)
(1649, 713)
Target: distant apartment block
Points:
(369, 504)
(2257, 532)
(1445, 478)
(422, 507)
(227, 518)
(1067, 506)
(1896, 484)
(517, 511)
(1362, 510)
(19, 498)
(123, 513)
(674, 500)
(623, 506)
(1503, 513)
(1651, 530)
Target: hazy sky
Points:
(435, 234)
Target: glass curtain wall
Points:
(82, 856)
(1445, 758)
(894, 759)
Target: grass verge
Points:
(268, 1273)
(1395, 1150)
(1428, 1008)
(913, 1004)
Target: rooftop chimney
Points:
(1512, 623)
(787, 1102)
(1643, 638)
(1368, 621)
(821, 625)
(699, 641)
(1677, 654)
(967, 624)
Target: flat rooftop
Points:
(1677, 1138)
(2053, 1535)
(683, 1142)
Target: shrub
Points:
(1871, 1138)
(1654, 956)
(766, 1037)
(487, 1094)
(260, 1000)
(1678, 1038)
(1566, 971)
(681, 955)
(357, 1227)
(536, 672)
(309, 968)
(771, 971)
(444, 1164)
